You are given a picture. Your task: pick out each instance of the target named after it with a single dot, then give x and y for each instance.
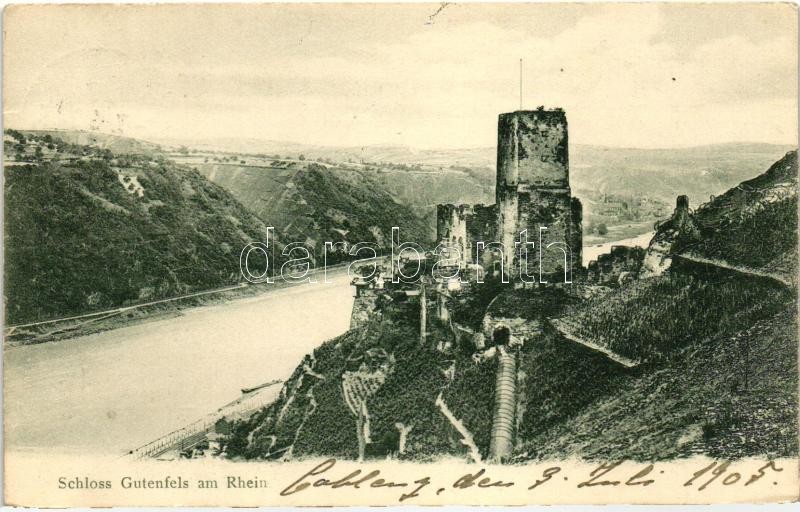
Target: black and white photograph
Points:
(383, 254)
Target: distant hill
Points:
(376, 153)
(114, 143)
(625, 187)
(313, 204)
(666, 173)
(87, 229)
(597, 174)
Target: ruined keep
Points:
(532, 191)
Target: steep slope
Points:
(727, 392)
(648, 318)
(753, 225)
(313, 415)
(94, 230)
(732, 396)
(714, 371)
(312, 204)
(423, 189)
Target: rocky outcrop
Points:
(751, 226)
(363, 308)
(671, 236)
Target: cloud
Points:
(350, 75)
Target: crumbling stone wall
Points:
(577, 232)
(614, 268)
(532, 148)
(532, 191)
(451, 228)
(481, 227)
(550, 209)
(677, 232)
(363, 307)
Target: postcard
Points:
(400, 254)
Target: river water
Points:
(109, 392)
(591, 252)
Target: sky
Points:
(635, 75)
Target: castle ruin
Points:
(532, 195)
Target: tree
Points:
(602, 229)
(17, 135)
(301, 157)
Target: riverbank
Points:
(619, 232)
(592, 252)
(111, 391)
(96, 322)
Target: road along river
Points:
(109, 392)
(112, 391)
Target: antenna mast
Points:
(520, 84)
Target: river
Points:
(112, 391)
(591, 252)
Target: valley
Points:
(97, 229)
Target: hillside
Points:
(753, 225)
(673, 310)
(730, 261)
(88, 229)
(700, 359)
(623, 190)
(311, 203)
(732, 396)
(660, 174)
(114, 143)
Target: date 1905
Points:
(716, 472)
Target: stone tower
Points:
(451, 229)
(533, 191)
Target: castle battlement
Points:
(532, 193)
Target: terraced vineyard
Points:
(652, 317)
